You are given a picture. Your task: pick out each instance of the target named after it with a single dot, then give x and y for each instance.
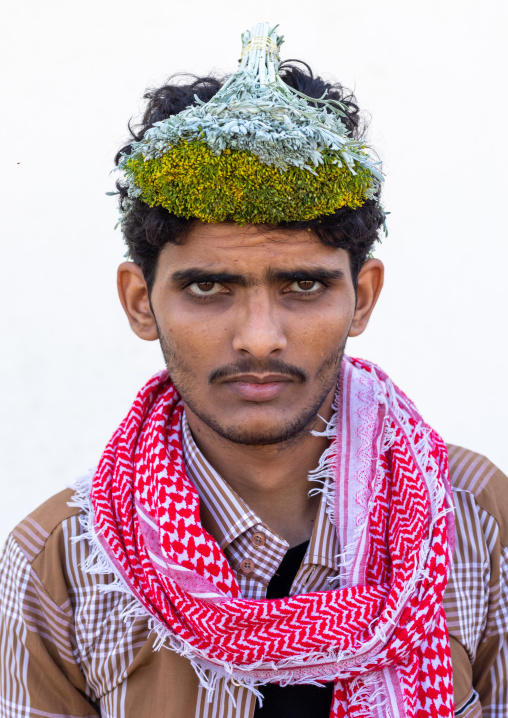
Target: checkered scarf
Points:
(380, 635)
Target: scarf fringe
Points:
(98, 562)
(368, 695)
(211, 675)
(422, 448)
(323, 473)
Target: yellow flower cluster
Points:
(190, 181)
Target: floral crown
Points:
(257, 152)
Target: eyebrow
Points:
(319, 273)
(198, 274)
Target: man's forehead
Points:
(215, 244)
(252, 257)
(247, 234)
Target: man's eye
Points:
(305, 285)
(205, 289)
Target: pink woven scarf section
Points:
(380, 635)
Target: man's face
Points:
(253, 325)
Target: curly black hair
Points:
(148, 229)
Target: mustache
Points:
(251, 366)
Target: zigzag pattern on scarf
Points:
(381, 635)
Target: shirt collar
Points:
(224, 512)
(227, 516)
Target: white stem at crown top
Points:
(260, 56)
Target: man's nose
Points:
(258, 329)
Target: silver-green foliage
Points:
(256, 111)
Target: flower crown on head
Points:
(257, 152)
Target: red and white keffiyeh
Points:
(380, 636)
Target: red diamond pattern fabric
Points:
(381, 635)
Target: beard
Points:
(284, 432)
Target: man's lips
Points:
(258, 387)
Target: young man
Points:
(272, 519)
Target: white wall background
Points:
(433, 76)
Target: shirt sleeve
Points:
(490, 667)
(476, 598)
(39, 671)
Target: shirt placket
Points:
(255, 556)
(254, 552)
(320, 565)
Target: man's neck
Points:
(271, 479)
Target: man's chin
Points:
(257, 432)
(258, 438)
(285, 419)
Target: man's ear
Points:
(370, 283)
(133, 294)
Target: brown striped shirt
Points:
(254, 551)
(66, 649)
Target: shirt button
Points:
(247, 566)
(258, 539)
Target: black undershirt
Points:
(302, 701)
